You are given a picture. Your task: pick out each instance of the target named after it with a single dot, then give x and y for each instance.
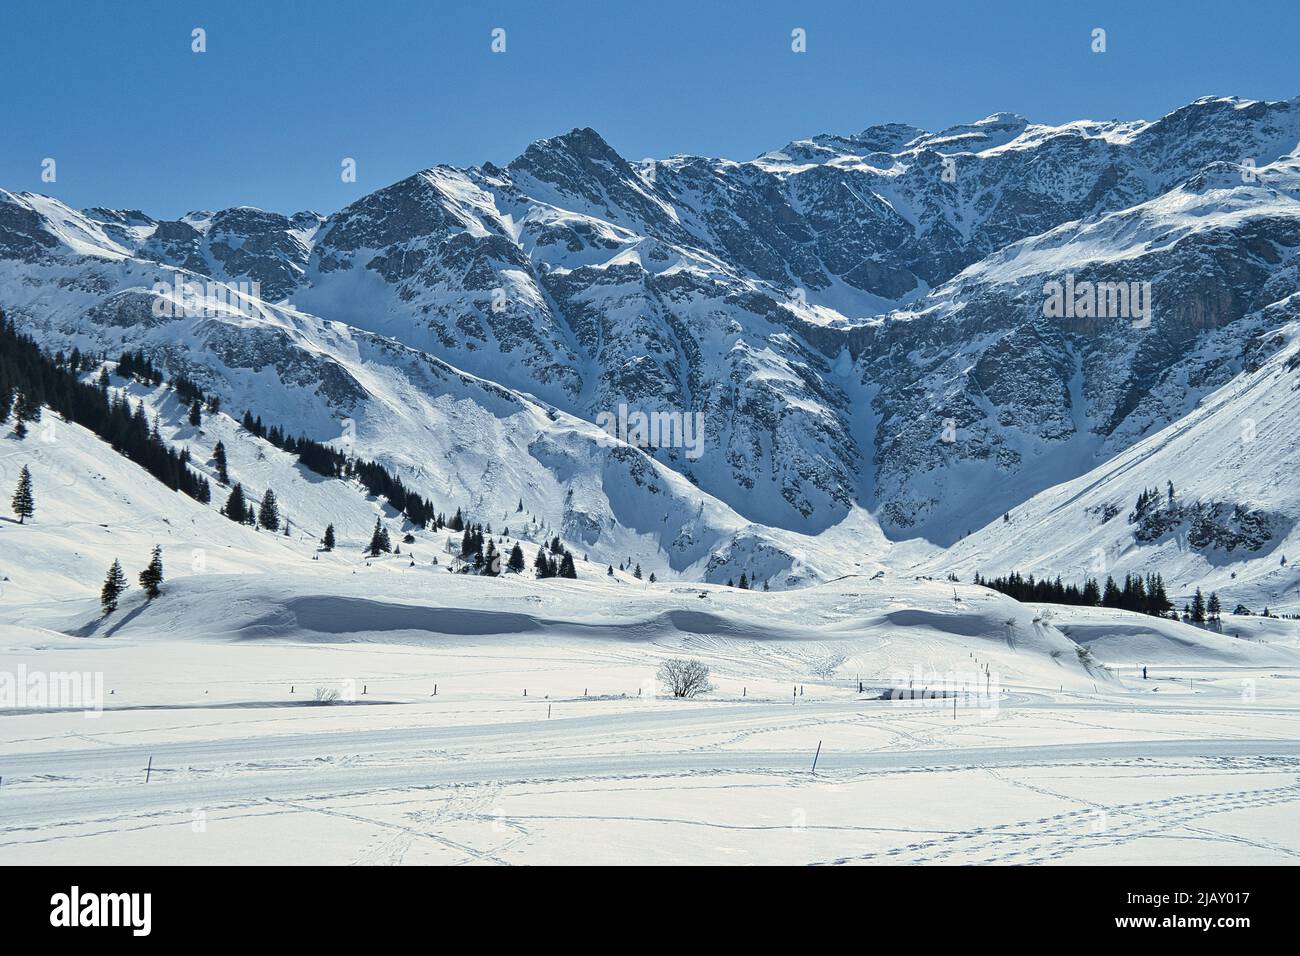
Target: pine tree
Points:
(567, 570)
(113, 587)
(652, 577)
(268, 515)
(610, 572)
(516, 562)
(1198, 608)
(196, 414)
(491, 560)
(327, 542)
(219, 457)
(1110, 596)
(26, 409)
(1091, 593)
(236, 508)
(24, 504)
(1159, 600)
(540, 564)
(151, 577)
(1137, 595)
(637, 573)
(379, 541)
(744, 581)
(1214, 609)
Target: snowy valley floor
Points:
(1065, 764)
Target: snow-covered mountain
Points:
(859, 320)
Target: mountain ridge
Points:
(827, 318)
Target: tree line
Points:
(30, 379)
(1144, 595)
(328, 461)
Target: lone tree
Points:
(684, 678)
(151, 578)
(379, 541)
(327, 542)
(268, 515)
(113, 587)
(24, 504)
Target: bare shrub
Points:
(684, 678)
(326, 695)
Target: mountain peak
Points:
(580, 142)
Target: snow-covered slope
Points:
(857, 320)
(225, 580)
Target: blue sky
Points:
(286, 90)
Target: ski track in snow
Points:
(545, 742)
(392, 795)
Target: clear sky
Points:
(134, 119)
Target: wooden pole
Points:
(816, 755)
(148, 771)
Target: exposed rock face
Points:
(1210, 525)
